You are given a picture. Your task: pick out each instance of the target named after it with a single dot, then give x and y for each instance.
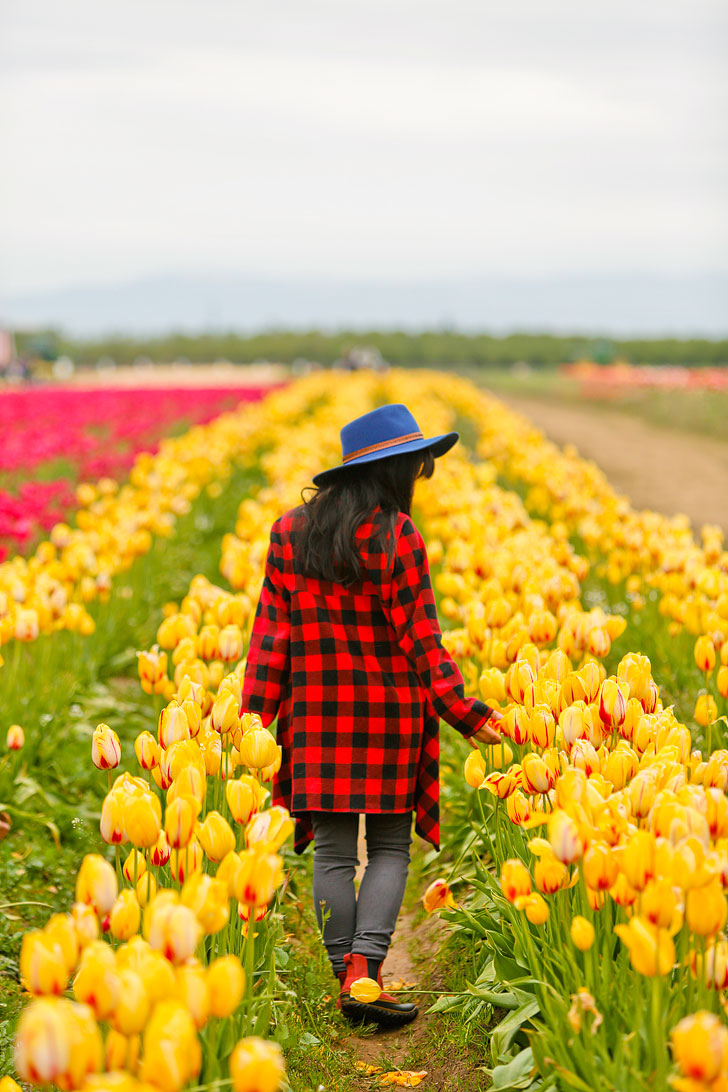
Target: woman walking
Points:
(346, 651)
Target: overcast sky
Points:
(361, 138)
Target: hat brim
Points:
(438, 445)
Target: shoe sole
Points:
(377, 1013)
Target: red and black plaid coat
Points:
(358, 679)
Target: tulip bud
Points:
(183, 863)
(96, 883)
(161, 851)
(225, 713)
(705, 909)
(152, 667)
(699, 1047)
(244, 797)
(142, 821)
(258, 878)
(43, 968)
(97, 981)
(171, 1054)
(549, 875)
(612, 703)
(105, 748)
(15, 737)
(515, 879)
(538, 777)
(438, 896)
(256, 1065)
(258, 748)
(172, 726)
(582, 933)
(706, 710)
(651, 950)
(57, 1043)
(216, 836)
(125, 916)
(146, 749)
(209, 899)
(269, 829)
(705, 653)
(134, 866)
(172, 929)
(132, 1008)
(474, 771)
(565, 838)
(193, 991)
(226, 982)
(179, 821)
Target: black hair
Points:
(326, 544)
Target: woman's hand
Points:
(489, 732)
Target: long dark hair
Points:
(326, 544)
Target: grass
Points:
(698, 412)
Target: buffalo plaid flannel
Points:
(358, 679)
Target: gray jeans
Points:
(365, 924)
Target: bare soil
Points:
(655, 467)
(410, 960)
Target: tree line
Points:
(430, 347)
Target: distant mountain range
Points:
(640, 304)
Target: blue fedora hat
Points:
(385, 431)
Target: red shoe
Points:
(341, 976)
(385, 1011)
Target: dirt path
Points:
(409, 963)
(669, 471)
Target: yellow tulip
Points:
(134, 866)
(85, 923)
(651, 950)
(146, 749)
(638, 859)
(97, 982)
(438, 896)
(244, 796)
(700, 1046)
(659, 902)
(704, 653)
(474, 770)
(183, 863)
(15, 737)
(230, 643)
(613, 703)
(105, 748)
(258, 878)
(706, 710)
(171, 1053)
(179, 821)
(534, 906)
(209, 899)
(193, 991)
(61, 929)
(161, 851)
(565, 837)
(173, 726)
(216, 836)
(256, 1065)
(43, 968)
(600, 866)
(537, 776)
(225, 713)
(269, 829)
(258, 748)
(705, 909)
(549, 875)
(142, 821)
(226, 982)
(515, 879)
(125, 915)
(172, 929)
(582, 933)
(133, 1005)
(57, 1043)
(96, 884)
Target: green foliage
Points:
(445, 348)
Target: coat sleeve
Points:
(267, 665)
(413, 615)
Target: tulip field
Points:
(156, 933)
